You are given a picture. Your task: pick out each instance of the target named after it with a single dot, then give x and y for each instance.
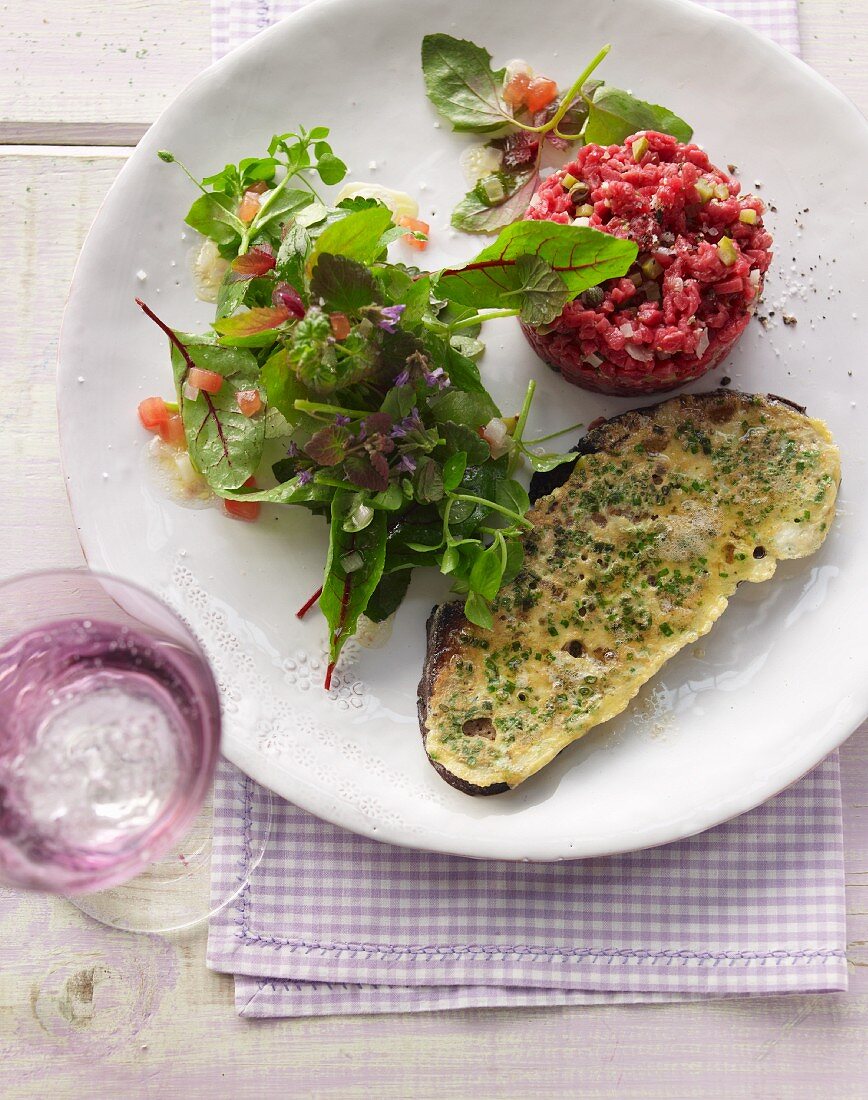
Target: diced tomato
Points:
(248, 401)
(413, 223)
(248, 510)
(153, 412)
(416, 226)
(340, 325)
(208, 380)
(248, 208)
(172, 431)
(515, 92)
(540, 93)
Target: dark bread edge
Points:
(444, 624)
(602, 434)
(447, 620)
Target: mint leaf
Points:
(344, 284)
(542, 294)
(357, 236)
(413, 292)
(461, 84)
(474, 215)
(581, 256)
(615, 115)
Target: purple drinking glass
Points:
(109, 731)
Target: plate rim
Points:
(253, 761)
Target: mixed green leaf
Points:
(465, 90)
(368, 369)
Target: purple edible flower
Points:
(342, 420)
(410, 423)
(292, 450)
(436, 378)
(403, 378)
(389, 317)
(406, 464)
(304, 476)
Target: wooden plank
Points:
(98, 63)
(52, 201)
(71, 133)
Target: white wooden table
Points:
(86, 1012)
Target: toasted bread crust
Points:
(443, 627)
(447, 622)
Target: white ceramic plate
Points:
(779, 682)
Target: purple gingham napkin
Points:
(234, 21)
(336, 923)
(333, 923)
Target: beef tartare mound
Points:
(703, 254)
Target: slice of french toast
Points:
(634, 554)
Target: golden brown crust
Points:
(657, 433)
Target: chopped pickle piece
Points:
(494, 189)
(727, 251)
(579, 192)
(704, 189)
(651, 269)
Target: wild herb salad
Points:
(365, 368)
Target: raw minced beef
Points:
(703, 254)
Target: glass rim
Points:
(86, 883)
(114, 578)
